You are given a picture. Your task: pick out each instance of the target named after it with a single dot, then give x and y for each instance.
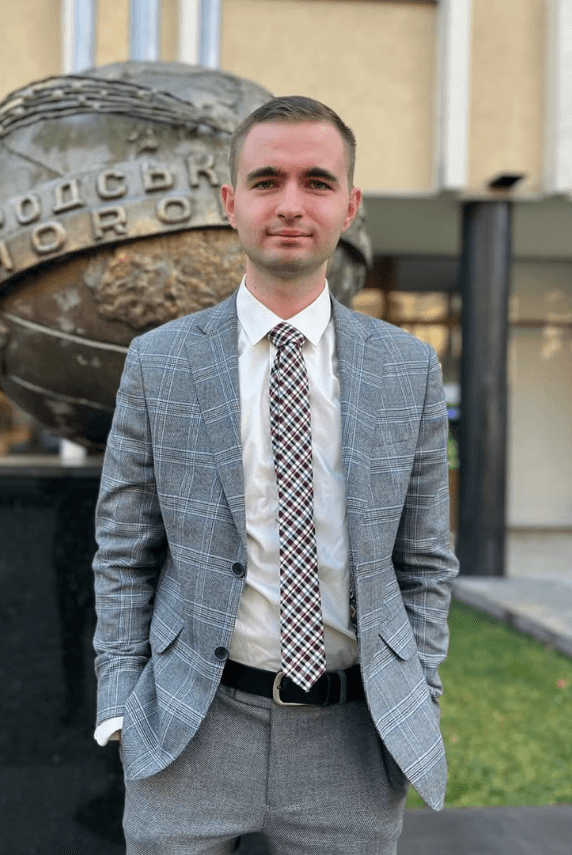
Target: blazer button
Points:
(238, 569)
(221, 654)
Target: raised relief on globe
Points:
(111, 224)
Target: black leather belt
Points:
(334, 687)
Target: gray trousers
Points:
(311, 779)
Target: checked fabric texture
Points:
(303, 652)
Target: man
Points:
(274, 571)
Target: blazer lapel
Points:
(356, 413)
(213, 357)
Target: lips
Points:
(288, 233)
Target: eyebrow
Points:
(318, 172)
(272, 172)
(263, 172)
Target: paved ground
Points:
(536, 594)
(488, 831)
(475, 831)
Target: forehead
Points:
(293, 145)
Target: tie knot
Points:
(284, 334)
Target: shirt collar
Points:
(257, 320)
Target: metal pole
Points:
(209, 33)
(78, 35)
(485, 280)
(145, 30)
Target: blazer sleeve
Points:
(424, 561)
(131, 544)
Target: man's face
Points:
(292, 200)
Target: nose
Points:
(289, 204)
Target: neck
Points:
(285, 297)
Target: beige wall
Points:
(170, 30)
(372, 62)
(507, 90)
(33, 48)
(540, 401)
(31, 42)
(375, 62)
(112, 43)
(112, 34)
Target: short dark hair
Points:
(292, 108)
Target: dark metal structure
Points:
(485, 280)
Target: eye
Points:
(265, 184)
(317, 184)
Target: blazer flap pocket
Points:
(398, 635)
(165, 626)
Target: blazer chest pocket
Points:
(166, 626)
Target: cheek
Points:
(331, 226)
(252, 219)
(330, 218)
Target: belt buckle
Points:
(276, 692)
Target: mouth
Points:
(288, 233)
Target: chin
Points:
(289, 270)
(286, 264)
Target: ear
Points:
(353, 207)
(227, 196)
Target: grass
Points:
(506, 716)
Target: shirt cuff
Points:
(109, 730)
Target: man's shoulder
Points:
(380, 333)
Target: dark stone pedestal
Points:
(60, 793)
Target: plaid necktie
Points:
(303, 652)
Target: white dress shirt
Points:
(256, 638)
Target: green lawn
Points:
(506, 716)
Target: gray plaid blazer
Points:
(171, 529)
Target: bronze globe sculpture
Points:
(111, 223)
